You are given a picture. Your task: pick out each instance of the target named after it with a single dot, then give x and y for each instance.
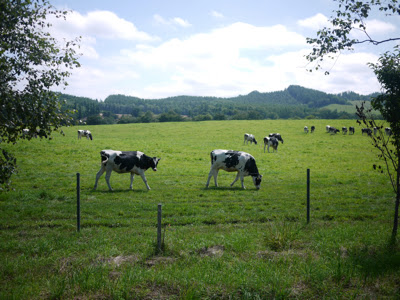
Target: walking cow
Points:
(234, 161)
(134, 162)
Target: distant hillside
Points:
(293, 102)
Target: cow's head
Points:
(154, 163)
(257, 180)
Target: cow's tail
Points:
(212, 156)
(104, 159)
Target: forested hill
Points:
(293, 102)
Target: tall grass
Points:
(219, 242)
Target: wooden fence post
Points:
(78, 201)
(159, 228)
(308, 196)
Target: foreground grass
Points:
(218, 242)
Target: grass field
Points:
(351, 109)
(219, 243)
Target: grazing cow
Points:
(351, 130)
(312, 129)
(366, 130)
(327, 128)
(333, 130)
(375, 131)
(305, 129)
(234, 161)
(249, 138)
(277, 136)
(388, 131)
(85, 133)
(271, 141)
(344, 130)
(134, 162)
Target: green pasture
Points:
(219, 243)
(351, 108)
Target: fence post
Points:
(78, 201)
(308, 196)
(159, 228)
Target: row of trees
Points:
(293, 102)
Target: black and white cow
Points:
(271, 141)
(85, 133)
(366, 130)
(134, 162)
(234, 161)
(277, 136)
(249, 138)
(375, 131)
(351, 130)
(333, 130)
(305, 129)
(327, 128)
(388, 131)
(344, 130)
(312, 129)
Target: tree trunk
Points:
(396, 208)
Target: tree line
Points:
(295, 102)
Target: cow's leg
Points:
(132, 177)
(268, 147)
(144, 180)
(264, 146)
(241, 179)
(236, 179)
(212, 173)
(98, 175)
(108, 175)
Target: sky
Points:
(156, 49)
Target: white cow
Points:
(234, 161)
(85, 133)
(134, 162)
(249, 138)
(305, 129)
(271, 141)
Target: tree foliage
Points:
(387, 71)
(31, 63)
(349, 18)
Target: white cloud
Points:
(216, 14)
(316, 22)
(101, 24)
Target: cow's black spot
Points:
(232, 159)
(129, 159)
(251, 167)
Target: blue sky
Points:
(155, 49)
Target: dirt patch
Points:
(215, 251)
(159, 260)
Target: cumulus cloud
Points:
(101, 24)
(315, 22)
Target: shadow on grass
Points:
(374, 261)
(106, 191)
(228, 188)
